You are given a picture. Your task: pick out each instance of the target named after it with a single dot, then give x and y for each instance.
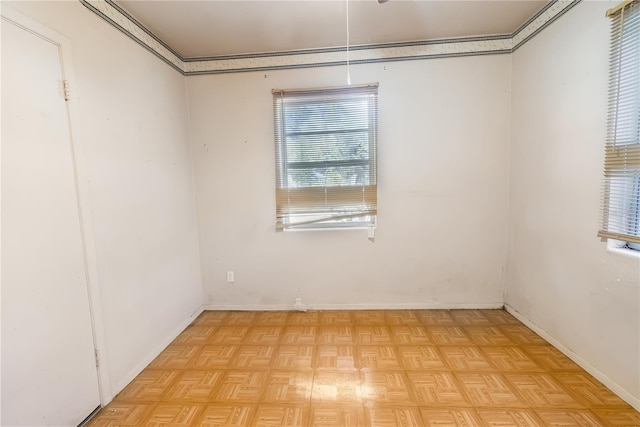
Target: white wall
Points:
(561, 277)
(442, 236)
(135, 137)
(442, 179)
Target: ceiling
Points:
(228, 27)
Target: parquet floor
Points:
(363, 368)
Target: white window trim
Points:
(282, 166)
(617, 247)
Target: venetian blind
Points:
(326, 145)
(621, 191)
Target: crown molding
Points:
(311, 58)
(125, 23)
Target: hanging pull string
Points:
(348, 70)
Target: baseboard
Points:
(399, 306)
(120, 385)
(614, 387)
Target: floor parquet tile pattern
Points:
(377, 368)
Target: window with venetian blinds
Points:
(621, 192)
(326, 145)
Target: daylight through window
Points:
(621, 201)
(325, 142)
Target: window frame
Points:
(620, 220)
(323, 220)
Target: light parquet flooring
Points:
(363, 368)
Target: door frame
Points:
(81, 180)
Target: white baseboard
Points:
(399, 306)
(120, 385)
(614, 387)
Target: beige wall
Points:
(135, 137)
(468, 161)
(561, 277)
(441, 237)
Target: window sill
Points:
(296, 229)
(371, 231)
(631, 253)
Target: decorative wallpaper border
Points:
(360, 54)
(124, 22)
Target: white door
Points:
(49, 374)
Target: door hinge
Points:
(97, 355)
(65, 88)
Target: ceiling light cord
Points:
(348, 65)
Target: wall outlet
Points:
(298, 301)
(231, 277)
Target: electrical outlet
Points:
(231, 277)
(298, 301)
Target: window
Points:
(326, 157)
(621, 204)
